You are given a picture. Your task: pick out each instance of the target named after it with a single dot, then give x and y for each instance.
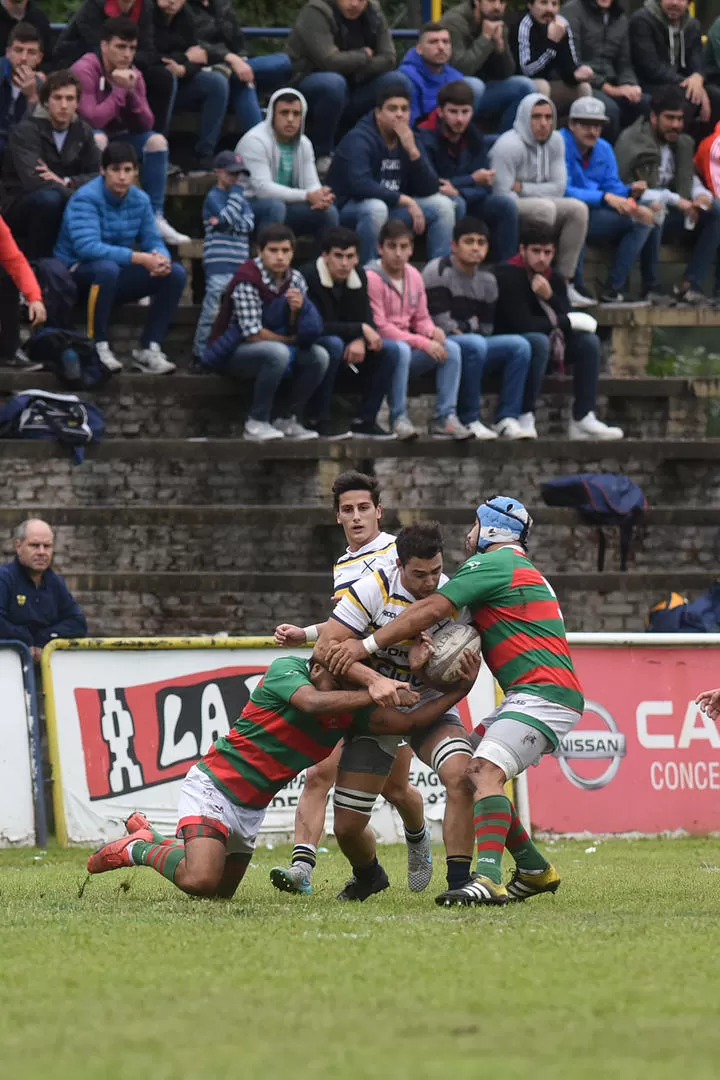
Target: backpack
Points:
(38, 414)
(601, 499)
(71, 357)
(59, 291)
(674, 615)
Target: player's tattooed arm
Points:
(392, 722)
(418, 617)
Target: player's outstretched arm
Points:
(309, 700)
(709, 702)
(418, 617)
(287, 634)
(392, 722)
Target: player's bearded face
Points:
(471, 539)
(359, 517)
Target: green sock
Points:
(521, 847)
(164, 857)
(492, 818)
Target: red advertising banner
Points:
(643, 758)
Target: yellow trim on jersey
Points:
(359, 558)
(358, 604)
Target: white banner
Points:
(17, 811)
(128, 719)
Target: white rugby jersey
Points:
(377, 554)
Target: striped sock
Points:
(415, 837)
(305, 853)
(492, 818)
(164, 857)
(458, 870)
(521, 847)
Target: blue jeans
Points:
(271, 72)
(367, 217)
(504, 97)
(35, 219)
(153, 166)
(332, 103)
(582, 352)
(215, 286)
(705, 238)
(500, 214)
(119, 284)
(410, 362)
(628, 237)
(506, 355)
(375, 379)
(268, 362)
(300, 216)
(208, 93)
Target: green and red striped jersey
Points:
(516, 612)
(272, 741)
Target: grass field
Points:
(616, 976)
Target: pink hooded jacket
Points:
(400, 318)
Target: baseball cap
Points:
(229, 161)
(588, 108)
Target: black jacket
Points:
(32, 141)
(518, 311)
(344, 308)
(217, 28)
(82, 35)
(538, 57)
(602, 41)
(173, 39)
(662, 56)
(34, 15)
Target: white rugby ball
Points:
(449, 644)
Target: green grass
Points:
(616, 976)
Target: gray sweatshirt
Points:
(260, 151)
(517, 155)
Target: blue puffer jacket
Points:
(98, 225)
(589, 180)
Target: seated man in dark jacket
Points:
(337, 286)
(19, 85)
(13, 12)
(459, 156)
(533, 301)
(544, 49)
(35, 603)
(50, 154)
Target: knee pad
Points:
(361, 802)
(448, 748)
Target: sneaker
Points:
(689, 295)
(481, 432)
(354, 890)
(420, 864)
(115, 855)
(510, 428)
(152, 361)
(526, 421)
(20, 361)
(137, 822)
(579, 299)
(611, 296)
(322, 164)
(259, 431)
(404, 429)
(523, 885)
(107, 357)
(361, 429)
(592, 428)
(449, 427)
(479, 890)
(168, 233)
(291, 428)
(292, 879)
(332, 430)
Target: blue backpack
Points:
(674, 615)
(38, 414)
(71, 357)
(601, 499)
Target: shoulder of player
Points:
(382, 545)
(284, 673)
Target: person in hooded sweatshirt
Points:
(283, 185)
(529, 164)
(428, 68)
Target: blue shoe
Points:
(292, 879)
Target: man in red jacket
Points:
(15, 276)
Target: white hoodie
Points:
(260, 151)
(517, 155)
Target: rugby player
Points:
(524, 644)
(356, 501)
(294, 718)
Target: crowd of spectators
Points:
(495, 149)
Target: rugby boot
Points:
(292, 879)
(420, 864)
(477, 891)
(115, 855)
(358, 890)
(137, 821)
(522, 885)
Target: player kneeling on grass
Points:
(294, 718)
(517, 615)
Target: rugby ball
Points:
(449, 644)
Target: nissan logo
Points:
(607, 744)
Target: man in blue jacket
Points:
(379, 171)
(35, 603)
(428, 69)
(110, 241)
(615, 217)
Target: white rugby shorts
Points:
(514, 745)
(200, 801)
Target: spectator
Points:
(35, 603)
(50, 153)
(16, 275)
(84, 34)
(666, 49)
(338, 287)
(615, 218)
(529, 163)
(113, 101)
(657, 152)
(459, 156)
(19, 85)
(379, 171)
(399, 305)
(109, 239)
(228, 221)
(544, 49)
(712, 55)
(198, 88)
(221, 44)
(480, 48)
(13, 12)
(461, 300)
(601, 32)
(267, 323)
(533, 301)
(428, 69)
(343, 54)
(283, 184)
